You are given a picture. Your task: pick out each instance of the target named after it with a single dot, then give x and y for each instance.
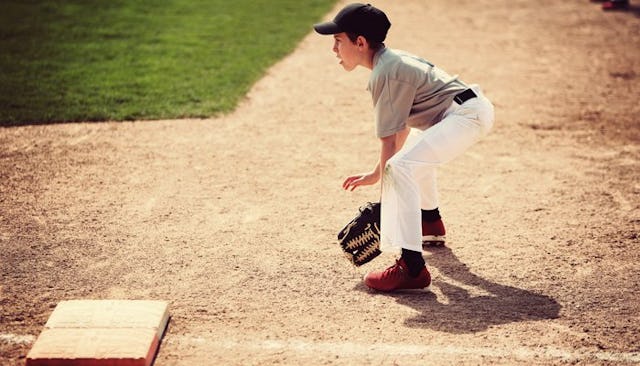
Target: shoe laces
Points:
(396, 270)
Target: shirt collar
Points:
(377, 55)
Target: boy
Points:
(408, 92)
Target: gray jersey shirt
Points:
(409, 91)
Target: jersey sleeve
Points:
(392, 101)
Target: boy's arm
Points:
(389, 145)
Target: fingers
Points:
(351, 182)
(353, 185)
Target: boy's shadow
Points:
(456, 310)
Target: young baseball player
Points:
(409, 94)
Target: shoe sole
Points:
(403, 290)
(413, 290)
(408, 290)
(433, 241)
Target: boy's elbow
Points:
(388, 140)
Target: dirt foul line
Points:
(349, 349)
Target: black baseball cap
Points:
(361, 19)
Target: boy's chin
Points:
(347, 67)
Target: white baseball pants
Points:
(409, 181)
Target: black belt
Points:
(464, 96)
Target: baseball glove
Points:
(360, 239)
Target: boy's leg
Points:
(410, 175)
(401, 193)
(433, 230)
(410, 168)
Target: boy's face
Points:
(348, 52)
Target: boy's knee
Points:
(396, 166)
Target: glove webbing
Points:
(362, 239)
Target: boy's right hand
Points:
(358, 180)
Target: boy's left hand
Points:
(358, 180)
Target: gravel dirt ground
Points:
(233, 219)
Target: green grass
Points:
(95, 60)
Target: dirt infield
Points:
(233, 219)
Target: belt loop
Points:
(463, 96)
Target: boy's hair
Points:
(373, 45)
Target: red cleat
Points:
(433, 234)
(397, 277)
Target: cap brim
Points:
(327, 28)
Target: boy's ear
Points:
(361, 41)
